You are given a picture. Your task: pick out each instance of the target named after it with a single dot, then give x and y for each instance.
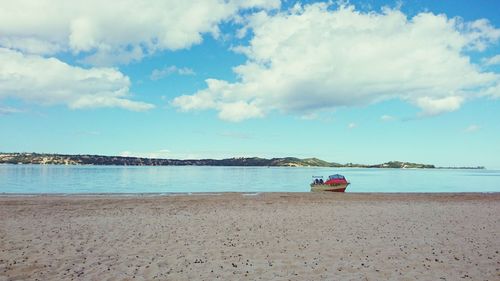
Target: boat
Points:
(335, 183)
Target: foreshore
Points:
(267, 236)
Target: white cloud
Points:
(109, 56)
(114, 31)
(386, 118)
(237, 111)
(157, 74)
(6, 110)
(495, 60)
(492, 92)
(479, 34)
(314, 57)
(472, 128)
(29, 45)
(352, 125)
(434, 106)
(310, 116)
(229, 110)
(50, 81)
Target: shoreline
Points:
(233, 236)
(250, 193)
(361, 166)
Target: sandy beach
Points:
(275, 236)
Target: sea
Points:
(62, 179)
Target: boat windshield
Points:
(336, 176)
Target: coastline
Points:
(247, 236)
(167, 194)
(21, 158)
(371, 195)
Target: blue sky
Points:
(359, 81)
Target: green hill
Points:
(62, 159)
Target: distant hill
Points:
(62, 159)
(404, 165)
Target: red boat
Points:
(335, 183)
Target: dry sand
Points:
(236, 237)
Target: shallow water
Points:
(166, 179)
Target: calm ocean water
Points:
(123, 179)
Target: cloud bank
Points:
(98, 33)
(49, 81)
(312, 58)
(114, 31)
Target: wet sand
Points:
(276, 236)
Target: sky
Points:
(345, 81)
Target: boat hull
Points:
(329, 188)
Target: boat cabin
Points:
(336, 179)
